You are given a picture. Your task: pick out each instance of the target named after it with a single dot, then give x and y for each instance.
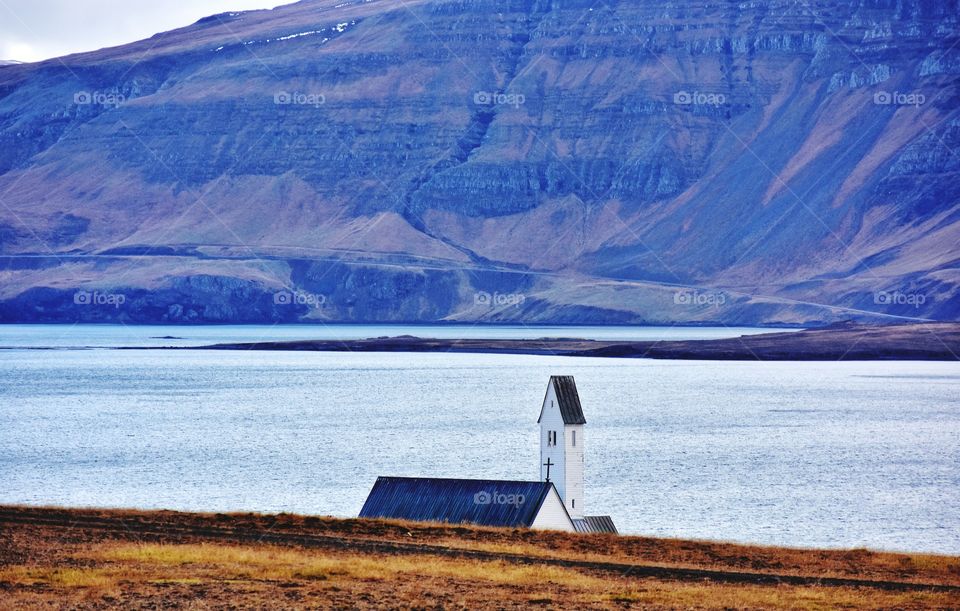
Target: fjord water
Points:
(156, 336)
(801, 454)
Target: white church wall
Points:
(552, 420)
(573, 470)
(551, 515)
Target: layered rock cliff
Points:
(493, 160)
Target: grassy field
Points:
(143, 560)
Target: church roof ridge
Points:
(568, 399)
(481, 480)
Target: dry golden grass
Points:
(65, 577)
(274, 563)
(130, 572)
(859, 563)
(54, 567)
(677, 553)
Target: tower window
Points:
(551, 438)
(573, 437)
(573, 503)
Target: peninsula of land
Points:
(844, 342)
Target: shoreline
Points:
(440, 323)
(852, 342)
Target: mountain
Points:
(493, 160)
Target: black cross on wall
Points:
(548, 464)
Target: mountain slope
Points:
(771, 162)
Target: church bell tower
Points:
(561, 442)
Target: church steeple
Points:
(561, 442)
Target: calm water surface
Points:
(79, 336)
(805, 454)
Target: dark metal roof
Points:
(568, 399)
(483, 502)
(595, 524)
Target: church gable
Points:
(553, 515)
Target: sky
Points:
(31, 30)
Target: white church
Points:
(556, 502)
